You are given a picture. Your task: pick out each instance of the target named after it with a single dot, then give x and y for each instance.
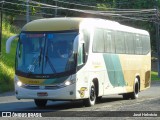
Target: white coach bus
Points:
(80, 59)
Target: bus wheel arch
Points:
(92, 93)
(136, 88)
(96, 83)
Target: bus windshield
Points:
(45, 53)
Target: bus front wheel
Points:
(92, 98)
(40, 103)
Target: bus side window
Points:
(145, 44)
(98, 41)
(86, 38)
(138, 45)
(81, 54)
(109, 41)
(120, 44)
(129, 43)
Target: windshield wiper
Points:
(32, 66)
(49, 62)
(35, 63)
(40, 56)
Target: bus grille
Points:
(36, 87)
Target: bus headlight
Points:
(19, 83)
(68, 82)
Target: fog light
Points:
(71, 92)
(19, 83)
(16, 92)
(67, 83)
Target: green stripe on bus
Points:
(114, 69)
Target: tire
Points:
(134, 94)
(40, 103)
(92, 98)
(98, 99)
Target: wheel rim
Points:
(92, 94)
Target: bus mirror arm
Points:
(9, 41)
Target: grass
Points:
(154, 76)
(7, 67)
(7, 61)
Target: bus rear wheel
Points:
(92, 98)
(134, 94)
(40, 103)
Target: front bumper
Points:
(64, 93)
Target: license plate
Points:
(41, 94)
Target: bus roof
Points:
(119, 27)
(53, 24)
(73, 23)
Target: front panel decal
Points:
(82, 91)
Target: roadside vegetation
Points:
(7, 61)
(154, 76)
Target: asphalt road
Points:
(149, 100)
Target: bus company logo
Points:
(82, 91)
(6, 114)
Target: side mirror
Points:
(9, 41)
